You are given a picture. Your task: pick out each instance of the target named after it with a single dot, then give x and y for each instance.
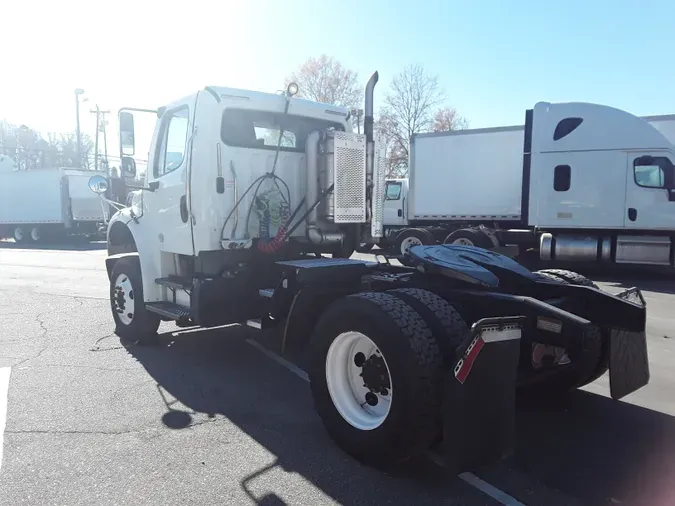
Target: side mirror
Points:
(98, 184)
(128, 167)
(127, 142)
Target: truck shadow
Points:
(597, 449)
(71, 245)
(208, 375)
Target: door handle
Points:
(632, 214)
(400, 212)
(183, 209)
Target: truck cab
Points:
(230, 172)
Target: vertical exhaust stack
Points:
(368, 127)
(374, 172)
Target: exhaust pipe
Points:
(314, 233)
(368, 122)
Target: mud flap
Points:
(628, 358)
(480, 391)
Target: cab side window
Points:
(650, 172)
(173, 145)
(393, 191)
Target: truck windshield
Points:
(260, 129)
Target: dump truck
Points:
(251, 207)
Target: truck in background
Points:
(47, 204)
(577, 182)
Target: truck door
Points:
(647, 195)
(394, 203)
(168, 168)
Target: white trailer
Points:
(41, 204)
(578, 182)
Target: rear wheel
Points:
(376, 378)
(583, 362)
(447, 325)
(36, 234)
(468, 237)
(570, 277)
(409, 237)
(133, 321)
(21, 235)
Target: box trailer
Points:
(578, 181)
(43, 204)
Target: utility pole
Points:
(100, 121)
(78, 92)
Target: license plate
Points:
(628, 362)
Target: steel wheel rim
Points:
(123, 299)
(463, 241)
(346, 385)
(35, 234)
(408, 243)
(18, 234)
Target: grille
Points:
(350, 178)
(377, 225)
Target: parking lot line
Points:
(4, 389)
(469, 478)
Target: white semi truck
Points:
(578, 182)
(46, 204)
(246, 193)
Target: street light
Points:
(78, 92)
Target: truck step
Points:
(255, 324)
(267, 293)
(175, 282)
(168, 309)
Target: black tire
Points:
(423, 236)
(415, 365)
(144, 324)
(590, 357)
(447, 325)
(36, 234)
(571, 277)
(472, 235)
(21, 235)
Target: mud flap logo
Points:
(463, 367)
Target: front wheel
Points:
(376, 378)
(133, 321)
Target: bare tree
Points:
(324, 79)
(412, 106)
(448, 119)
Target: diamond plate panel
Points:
(379, 173)
(350, 177)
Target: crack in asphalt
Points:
(97, 346)
(93, 367)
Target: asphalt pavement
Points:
(206, 418)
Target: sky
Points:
(494, 58)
